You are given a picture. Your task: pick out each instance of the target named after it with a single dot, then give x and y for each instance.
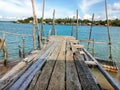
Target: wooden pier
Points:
(58, 66)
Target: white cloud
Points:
(14, 9)
(1, 17)
(116, 6)
(85, 4)
(87, 16)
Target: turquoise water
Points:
(99, 34)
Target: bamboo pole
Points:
(72, 33)
(108, 28)
(90, 31)
(53, 24)
(93, 49)
(5, 53)
(34, 22)
(77, 25)
(35, 27)
(23, 46)
(42, 34)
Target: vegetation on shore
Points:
(70, 21)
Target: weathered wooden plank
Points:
(32, 70)
(34, 81)
(46, 73)
(8, 83)
(86, 78)
(78, 46)
(72, 80)
(57, 81)
(104, 72)
(16, 69)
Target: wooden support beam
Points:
(85, 76)
(42, 33)
(53, 24)
(90, 31)
(104, 72)
(72, 80)
(108, 28)
(77, 25)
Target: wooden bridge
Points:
(58, 66)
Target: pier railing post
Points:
(90, 31)
(53, 24)
(77, 25)
(23, 46)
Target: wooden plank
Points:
(72, 80)
(46, 73)
(85, 76)
(104, 72)
(74, 41)
(32, 70)
(34, 81)
(78, 46)
(57, 81)
(22, 64)
(29, 78)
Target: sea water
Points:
(99, 34)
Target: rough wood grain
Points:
(46, 73)
(72, 80)
(57, 81)
(85, 76)
(35, 67)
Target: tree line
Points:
(70, 21)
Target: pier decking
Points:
(58, 66)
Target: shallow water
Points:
(99, 34)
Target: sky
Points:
(21, 9)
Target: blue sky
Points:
(20, 9)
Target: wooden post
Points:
(90, 31)
(20, 53)
(5, 53)
(3, 47)
(42, 33)
(53, 24)
(35, 27)
(72, 33)
(23, 46)
(93, 49)
(34, 22)
(77, 25)
(108, 28)
(48, 36)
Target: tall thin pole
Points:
(23, 46)
(42, 34)
(77, 25)
(90, 31)
(35, 27)
(72, 33)
(34, 23)
(109, 38)
(53, 23)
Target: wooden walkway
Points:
(59, 66)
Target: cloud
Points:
(84, 4)
(87, 16)
(116, 6)
(13, 9)
(1, 17)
